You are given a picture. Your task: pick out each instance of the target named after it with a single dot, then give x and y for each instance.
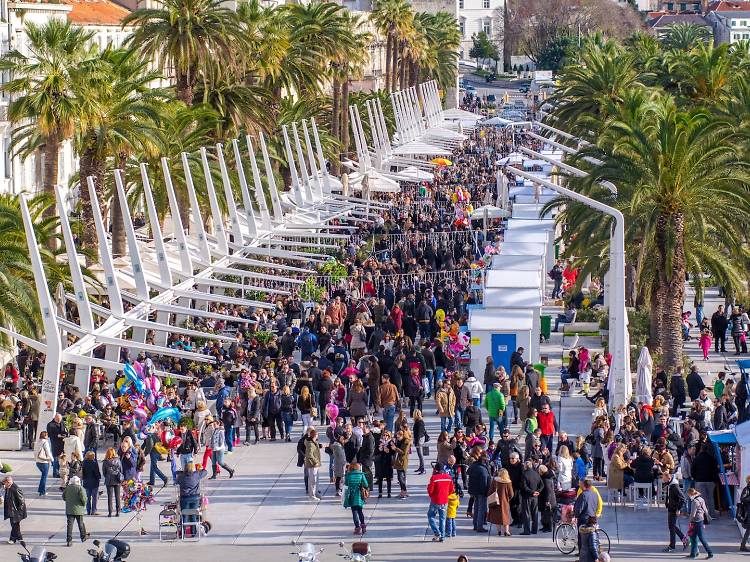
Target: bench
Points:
(581, 329)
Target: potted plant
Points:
(11, 439)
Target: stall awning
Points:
(523, 248)
(530, 224)
(506, 320)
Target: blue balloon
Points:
(133, 377)
(166, 413)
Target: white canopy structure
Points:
(182, 274)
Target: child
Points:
(64, 470)
(705, 343)
(579, 469)
(450, 515)
(76, 465)
(585, 378)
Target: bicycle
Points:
(565, 537)
(565, 531)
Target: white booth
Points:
(499, 299)
(538, 237)
(526, 249)
(529, 211)
(497, 333)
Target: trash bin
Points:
(546, 327)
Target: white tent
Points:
(512, 279)
(645, 371)
(514, 326)
(495, 121)
(518, 262)
(489, 212)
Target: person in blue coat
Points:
(589, 541)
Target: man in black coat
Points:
(480, 480)
(505, 447)
(366, 453)
(547, 499)
(57, 433)
(719, 324)
(694, 383)
(678, 391)
(531, 488)
(673, 502)
(14, 508)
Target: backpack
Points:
(741, 515)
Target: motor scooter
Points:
(114, 550)
(37, 554)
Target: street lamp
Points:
(620, 383)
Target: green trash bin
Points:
(546, 328)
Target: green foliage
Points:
(263, 337)
(187, 421)
(311, 291)
(554, 56)
(483, 48)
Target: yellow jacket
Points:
(453, 502)
(600, 503)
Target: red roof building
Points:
(95, 12)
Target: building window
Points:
(746, 35)
(743, 23)
(460, 4)
(733, 24)
(487, 27)
(683, 7)
(670, 6)
(462, 26)
(486, 4)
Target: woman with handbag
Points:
(498, 502)
(357, 492)
(698, 519)
(420, 437)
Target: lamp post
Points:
(620, 383)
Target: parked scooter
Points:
(307, 552)
(114, 551)
(360, 552)
(37, 554)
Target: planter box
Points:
(11, 440)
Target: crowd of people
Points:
(357, 371)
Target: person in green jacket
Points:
(355, 482)
(75, 508)
(494, 401)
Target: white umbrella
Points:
(512, 158)
(645, 371)
(487, 212)
(495, 121)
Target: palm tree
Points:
(44, 108)
(389, 17)
(595, 88)
(443, 38)
(704, 72)
(19, 305)
(668, 164)
(193, 39)
(119, 112)
(685, 36)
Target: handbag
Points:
(313, 412)
(364, 491)
(426, 450)
(492, 499)
(426, 437)
(691, 532)
(345, 496)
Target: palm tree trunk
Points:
(335, 109)
(345, 118)
(672, 282)
(88, 233)
(402, 78)
(388, 48)
(185, 88)
(656, 314)
(51, 160)
(394, 65)
(118, 224)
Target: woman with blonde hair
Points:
(112, 472)
(305, 404)
(499, 512)
(420, 437)
(200, 415)
(523, 403)
(565, 467)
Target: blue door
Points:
(503, 346)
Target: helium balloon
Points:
(133, 377)
(167, 413)
(332, 411)
(175, 442)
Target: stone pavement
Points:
(258, 513)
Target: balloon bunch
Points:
(457, 342)
(142, 398)
(136, 496)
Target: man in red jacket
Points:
(439, 488)
(548, 424)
